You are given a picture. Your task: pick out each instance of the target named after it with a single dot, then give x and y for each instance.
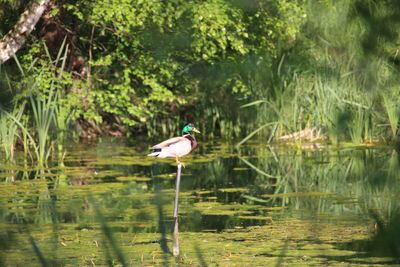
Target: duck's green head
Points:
(188, 128)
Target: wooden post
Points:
(175, 249)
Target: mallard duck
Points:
(177, 146)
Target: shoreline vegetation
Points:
(238, 70)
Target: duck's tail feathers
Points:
(154, 152)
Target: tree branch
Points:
(17, 36)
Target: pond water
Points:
(109, 204)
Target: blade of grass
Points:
(37, 251)
(254, 132)
(257, 169)
(257, 102)
(108, 233)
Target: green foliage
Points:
(150, 64)
(330, 80)
(149, 57)
(146, 58)
(41, 112)
(217, 28)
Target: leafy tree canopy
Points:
(140, 59)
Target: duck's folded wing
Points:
(169, 142)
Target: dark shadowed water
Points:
(108, 203)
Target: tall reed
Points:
(43, 115)
(335, 86)
(393, 113)
(9, 130)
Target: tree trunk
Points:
(17, 36)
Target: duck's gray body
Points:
(174, 147)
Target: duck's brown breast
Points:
(193, 142)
